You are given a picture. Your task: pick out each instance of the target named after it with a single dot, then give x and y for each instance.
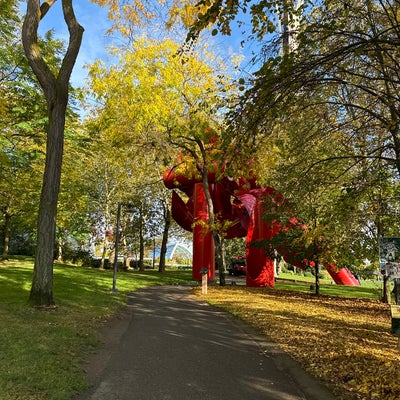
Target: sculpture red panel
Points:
(243, 203)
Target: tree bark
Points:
(167, 224)
(219, 257)
(55, 89)
(317, 287)
(386, 296)
(7, 231)
(42, 284)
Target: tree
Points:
(345, 64)
(22, 124)
(73, 225)
(345, 60)
(162, 101)
(344, 69)
(55, 88)
(166, 212)
(121, 169)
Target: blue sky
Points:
(95, 39)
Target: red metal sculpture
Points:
(242, 202)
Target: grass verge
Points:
(41, 352)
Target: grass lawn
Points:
(343, 340)
(369, 289)
(41, 352)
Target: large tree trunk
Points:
(55, 89)
(42, 284)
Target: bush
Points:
(76, 256)
(147, 264)
(95, 262)
(23, 244)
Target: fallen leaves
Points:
(346, 343)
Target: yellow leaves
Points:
(3, 106)
(151, 86)
(378, 380)
(184, 11)
(129, 14)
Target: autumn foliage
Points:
(345, 343)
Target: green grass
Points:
(41, 352)
(369, 289)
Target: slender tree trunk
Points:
(103, 253)
(219, 257)
(7, 232)
(202, 167)
(317, 276)
(285, 31)
(167, 224)
(60, 250)
(125, 264)
(106, 237)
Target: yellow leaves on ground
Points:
(346, 343)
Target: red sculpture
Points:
(242, 202)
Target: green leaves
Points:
(320, 118)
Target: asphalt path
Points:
(169, 345)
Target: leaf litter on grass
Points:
(344, 342)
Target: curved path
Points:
(169, 345)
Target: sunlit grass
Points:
(41, 352)
(367, 290)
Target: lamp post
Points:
(154, 252)
(114, 286)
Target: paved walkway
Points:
(169, 345)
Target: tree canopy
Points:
(318, 119)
